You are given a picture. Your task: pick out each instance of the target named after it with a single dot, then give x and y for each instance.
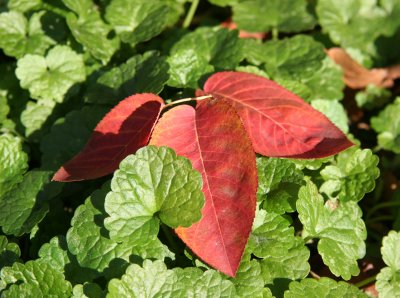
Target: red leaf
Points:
(125, 129)
(279, 123)
(214, 139)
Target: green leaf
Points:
(20, 37)
(292, 264)
(334, 110)
(388, 279)
(153, 280)
(324, 287)
(56, 254)
(282, 15)
(325, 83)
(248, 280)
(138, 20)
(392, 18)
(68, 136)
(35, 116)
(283, 254)
(82, 8)
(299, 64)
(26, 204)
(193, 282)
(202, 52)
(372, 97)
(91, 290)
(53, 254)
(13, 162)
(387, 125)
(4, 108)
(153, 184)
(24, 5)
(12, 95)
(338, 226)
(352, 24)
(291, 58)
(278, 184)
(34, 279)
(89, 30)
(50, 77)
(147, 73)
(351, 176)
(87, 238)
(9, 252)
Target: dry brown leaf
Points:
(357, 76)
(229, 24)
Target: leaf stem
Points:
(275, 33)
(366, 281)
(55, 9)
(187, 99)
(380, 206)
(314, 275)
(190, 14)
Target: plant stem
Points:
(170, 239)
(55, 9)
(366, 281)
(187, 99)
(275, 33)
(190, 14)
(314, 275)
(380, 206)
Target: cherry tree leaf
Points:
(279, 123)
(214, 139)
(122, 131)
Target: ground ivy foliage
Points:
(351, 176)
(152, 185)
(89, 241)
(202, 52)
(339, 227)
(64, 63)
(34, 278)
(388, 280)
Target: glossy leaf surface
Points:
(279, 123)
(214, 139)
(122, 131)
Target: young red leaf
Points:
(279, 123)
(215, 140)
(125, 129)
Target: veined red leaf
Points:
(215, 140)
(279, 123)
(125, 129)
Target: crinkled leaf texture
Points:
(324, 287)
(214, 139)
(388, 280)
(125, 129)
(153, 184)
(34, 279)
(340, 229)
(281, 254)
(279, 123)
(352, 175)
(155, 280)
(9, 252)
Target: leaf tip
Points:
(62, 176)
